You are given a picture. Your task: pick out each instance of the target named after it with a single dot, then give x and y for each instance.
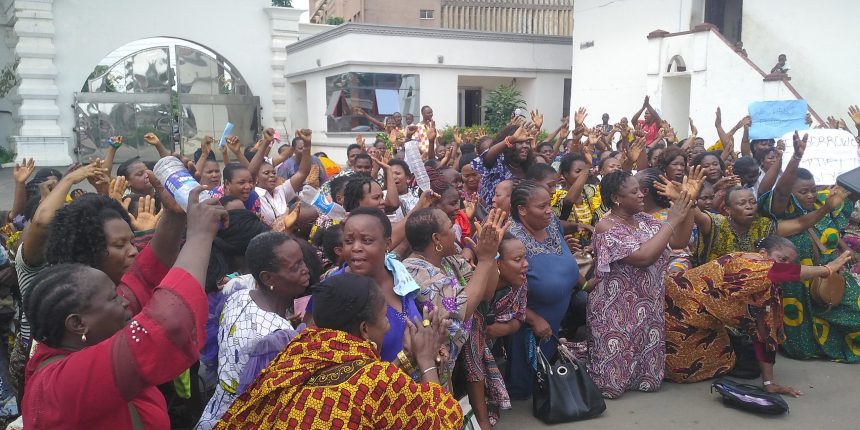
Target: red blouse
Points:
(100, 386)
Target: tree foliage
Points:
(334, 20)
(282, 3)
(500, 104)
(9, 78)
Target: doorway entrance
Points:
(471, 107)
(176, 89)
(676, 99)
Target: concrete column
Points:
(284, 30)
(39, 135)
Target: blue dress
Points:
(552, 277)
(405, 288)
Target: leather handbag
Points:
(564, 392)
(749, 397)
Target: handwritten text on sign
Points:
(828, 154)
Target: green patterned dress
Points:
(813, 330)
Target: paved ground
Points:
(832, 393)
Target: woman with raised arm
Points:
(818, 324)
(274, 198)
(99, 360)
(331, 375)
(625, 306)
(509, 157)
(738, 291)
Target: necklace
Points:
(742, 241)
(629, 223)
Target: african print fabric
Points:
(723, 239)
(445, 288)
(731, 291)
(506, 305)
(625, 312)
(329, 379)
(813, 330)
(241, 325)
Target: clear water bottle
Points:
(416, 165)
(313, 197)
(177, 180)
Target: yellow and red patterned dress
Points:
(329, 379)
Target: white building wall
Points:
(64, 41)
(540, 70)
(610, 76)
(623, 65)
(820, 42)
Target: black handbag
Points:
(749, 397)
(564, 392)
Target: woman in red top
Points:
(98, 360)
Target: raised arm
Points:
(392, 198)
(782, 191)
(790, 227)
(236, 148)
(431, 140)
(635, 118)
(374, 121)
(490, 156)
(718, 123)
(489, 237)
(21, 173)
(745, 140)
(153, 140)
(36, 233)
(770, 177)
(205, 150)
(114, 144)
(297, 181)
(168, 234)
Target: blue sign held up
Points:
(772, 119)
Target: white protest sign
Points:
(828, 154)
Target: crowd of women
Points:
(654, 256)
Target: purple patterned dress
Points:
(625, 312)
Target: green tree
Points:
(9, 78)
(334, 20)
(282, 3)
(500, 104)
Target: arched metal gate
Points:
(178, 92)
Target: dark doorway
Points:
(471, 107)
(726, 15)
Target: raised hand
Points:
(579, 116)
(117, 188)
(151, 139)
(427, 199)
(167, 200)
(359, 140)
(693, 130)
(726, 182)
(836, 198)
(147, 217)
(718, 122)
(537, 118)
(647, 101)
(234, 144)
(46, 187)
(206, 144)
(489, 235)
(799, 144)
(23, 171)
(669, 189)
(383, 165)
(521, 135)
(206, 217)
(269, 134)
(85, 172)
(458, 137)
(286, 221)
(680, 208)
(431, 131)
(305, 135)
(636, 149)
(854, 113)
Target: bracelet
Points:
(829, 271)
(508, 142)
(670, 226)
(428, 369)
(405, 363)
(796, 157)
(766, 383)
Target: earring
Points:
(271, 287)
(438, 247)
(373, 345)
(84, 338)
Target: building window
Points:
(379, 95)
(426, 14)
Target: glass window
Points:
(378, 95)
(426, 14)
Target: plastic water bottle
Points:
(313, 197)
(228, 129)
(416, 165)
(177, 180)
